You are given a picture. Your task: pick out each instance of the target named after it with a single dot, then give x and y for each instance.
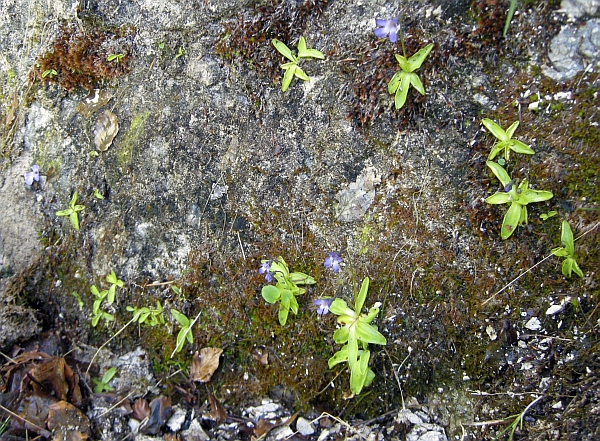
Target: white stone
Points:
(305, 427)
(533, 324)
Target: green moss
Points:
(131, 138)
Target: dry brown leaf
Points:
(205, 364)
(94, 101)
(263, 427)
(67, 422)
(160, 412)
(105, 130)
(141, 409)
(217, 411)
(49, 375)
(260, 354)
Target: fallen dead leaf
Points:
(260, 354)
(160, 412)
(67, 422)
(205, 364)
(263, 427)
(105, 130)
(94, 101)
(141, 409)
(217, 411)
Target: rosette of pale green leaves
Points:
(286, 289)
(404, 78)
(291, 68)
(505, 141)
(355, 334)
(567, 250)
(517, 197)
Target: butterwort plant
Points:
(517, 197)
(406, 76)
(355, 334)
(292, 69)
(504, 140)
(567, 250)
(286, 289)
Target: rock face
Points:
(207, 156)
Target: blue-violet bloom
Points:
(323, 305)
(333, 261)
(387, 27)
(265, 268)
(33, 175)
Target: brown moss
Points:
(78, 58)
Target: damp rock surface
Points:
(213, 170)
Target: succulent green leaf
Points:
(511, 129)
(560, 252)
(294, 305)
(112, 291)
(369, 334)
(415, 81)
(95, 320)
(303, 52)
(181, 318)
(567, 267)
(530, 196)
(372, 314)
(417, 59)
(301, 74)
(395, 82)
(495, 129)
(288, 76)
(520, 147)
(402, 92)
(301, 279)
(284, 50)
(95, 291)
(340, 356)
(66, 212)
(352, 346)
(96, 306)
(73, 199)
(499, 198)
(340, 307)
(403, 62)
(576, 268)
(283, 314)
(566, 238)
(74, 218)
(270, 293)
(511, 220)
(362, 296)
(109, 374)
(340, 336)
(499, 172)
(497, 148)
(359, 372)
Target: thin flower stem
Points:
(401, 26)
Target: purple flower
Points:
(385, 27)
(265, 268)
(33, 175)
(333, 261)
(323, 305)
